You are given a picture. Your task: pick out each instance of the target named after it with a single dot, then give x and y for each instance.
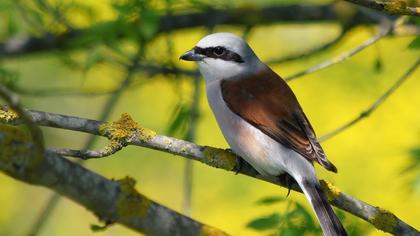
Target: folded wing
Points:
(268, 103)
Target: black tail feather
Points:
(330, 224)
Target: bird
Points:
(261, 118)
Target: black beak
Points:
(191, 56)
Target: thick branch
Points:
(396, 7)
(128, 132)
(112, 201)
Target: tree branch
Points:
(111, 201)
(85, 154)
(374, 106)
(260, 15)
(129, 132)
(384, 29)
(312, 51)
(395, 7)
(106, 111)
(35, 131)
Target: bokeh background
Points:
(377, 158)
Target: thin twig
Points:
(374, 105)
(397, 7)
(384, 29)
(84, 154)
(312, 51)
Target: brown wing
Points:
(268, 103)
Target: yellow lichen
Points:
(395, 7)
(125, 129)
(210, 231)
(330, 190)
(131, 203)
(384, 220)
(113, 146)
(219, 158)
(8, 115)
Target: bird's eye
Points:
(218, 51)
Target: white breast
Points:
(266, 155)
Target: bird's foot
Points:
(289, 182)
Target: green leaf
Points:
(179, 119)
(415, 152)
(270, 200)
(36, 16)
(416, 183)
(298, 221)
(265, 222)
(414, 160)
(415, 44)
(309, 221)
(378, 65)
(292, 232)
(12, 27)
(149, 23)
(8, 78)
(413, 167)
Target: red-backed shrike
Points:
(261, 118)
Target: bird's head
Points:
(223, 56)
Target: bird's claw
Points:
(289, 184)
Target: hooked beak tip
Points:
(190, 56)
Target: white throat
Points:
(216, 69)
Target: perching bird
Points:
(261, 118)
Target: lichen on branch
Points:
(8, 115)
(130, 202)
(125, 129)
(330, 190)
(219, 158)
(113, 201)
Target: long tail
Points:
(330, 224)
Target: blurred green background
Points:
(378, 158)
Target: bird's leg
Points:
(289, 182)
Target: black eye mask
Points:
(219, 53)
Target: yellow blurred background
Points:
(370, 156)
